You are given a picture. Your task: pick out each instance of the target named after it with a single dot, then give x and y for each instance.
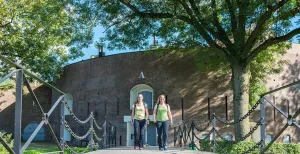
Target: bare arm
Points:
(170, 115)
(132, 113)
(147, 115)
(154, 114)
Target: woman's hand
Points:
(154, 120)
(171, 123)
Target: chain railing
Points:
(62, 101)
(111, 135)
(241, 119)
(178, 132)
(183, 136)
(291, 119)
(77, 136)
(75, 117)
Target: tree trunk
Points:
(241, 86)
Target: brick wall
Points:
(100, 82)
(103, 80)
(30, 111)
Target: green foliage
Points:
(43, 35)
(239, 32)
(256, 89)
(129, 24)
(8, 139)
(252, 36)
(241, 147)
(38, 151)
(209, 60)
(264, 64)
(6, 85)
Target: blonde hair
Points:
(158, 102)
(137, 98)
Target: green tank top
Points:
(140, 111)
(162, 113)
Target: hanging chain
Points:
(224, 122)
(252, 130)
(242, 118)
(74, 116)
(189, 131)
(76, 136)
(74, 152)
(197, 137)
(223, 137)
(96, 124)
(97, 138)
(250, 111)
(203, 129)
(205, 137)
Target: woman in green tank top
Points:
(162, 117)
(139, 115)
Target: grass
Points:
(44, 147)
(39, 151)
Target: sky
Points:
(88, 52)
(99, 32)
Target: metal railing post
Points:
(175, 136)
(262, 126)
(18, 113)
(115, 136)
(193, 133)
(184, 133)
(104, 134)
(214, 133)
(92, 131)
(109, 133)
(62, 125)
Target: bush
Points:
(8, 139)
(4, 86)
(241, 147)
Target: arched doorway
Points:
(147, 93)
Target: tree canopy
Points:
(238, 30)
(43, 35)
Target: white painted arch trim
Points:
(138, 88)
